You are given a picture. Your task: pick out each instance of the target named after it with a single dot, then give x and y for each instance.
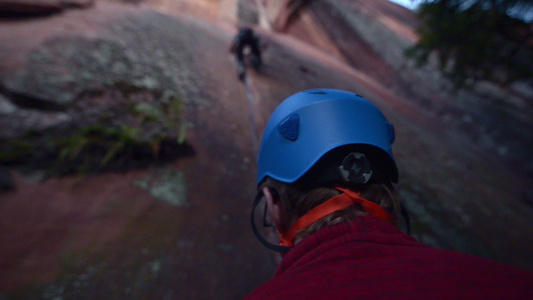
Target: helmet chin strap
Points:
(334, 204)
(280, 249)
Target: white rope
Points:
(255, 136)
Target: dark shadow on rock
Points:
(29, 101)
(25, 9)
(93, 158)
(16, 15)
(6, 182)
(139, 157)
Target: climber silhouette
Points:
(246, 40)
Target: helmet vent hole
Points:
(290, 127)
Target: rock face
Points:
(73, 87)
(126, 59)
(39, 7)
(72, 80)
(83, 66)
(180, 228)
(281, 13)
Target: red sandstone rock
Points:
(40, 7)
(77, 3)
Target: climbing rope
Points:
(250, 97)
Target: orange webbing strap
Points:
(371, 208)
(337, 203)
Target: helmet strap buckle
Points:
(355, 168)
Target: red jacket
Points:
(369, 259)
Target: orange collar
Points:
(334, 204)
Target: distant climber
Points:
(246, 40)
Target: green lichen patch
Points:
(131, 134)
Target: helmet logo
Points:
(290, 127)
(355, 168)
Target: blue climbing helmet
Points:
(313, 130)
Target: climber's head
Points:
(319, 144)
